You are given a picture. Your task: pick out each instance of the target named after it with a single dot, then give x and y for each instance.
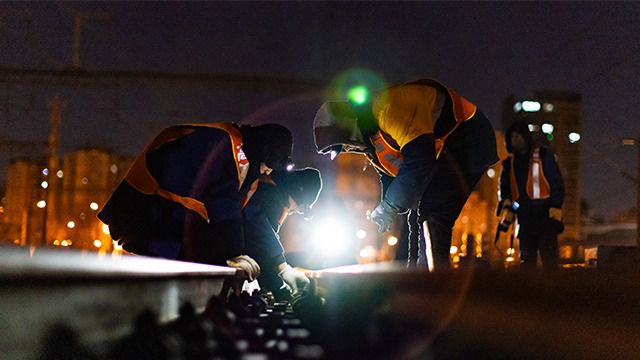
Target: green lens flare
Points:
(358, 94)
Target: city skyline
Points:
(504, 49)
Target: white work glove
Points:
(383, 215)
(246, 263)
(296, 280)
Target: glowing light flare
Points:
(367, 252)
(59, 174)
(45, 172)
(44, 184)
(93, 205)
(453, 250)
(392, 241)
(290, 167)
(574, 137)
(358, 94)
(547, 128)
(530, 106)
(491, 173)
(71, 224)
(331, 237)
(333, 154)
(517, 106)
(65, 243)
(105, 229)
(361, 234)
(41, 204)
(97, 243)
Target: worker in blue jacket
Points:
(431, 146)
(184, 195)
(531, 178)
(279, 194)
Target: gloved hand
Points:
(383, 215)
(295, 279)
(555, 214)
(246, 263)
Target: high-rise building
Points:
(58, 207)
(555, 119)
(89, 175)
(23, 217)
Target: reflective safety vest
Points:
(388, 156)
(141, 179)
(537, 184)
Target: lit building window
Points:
(530, 106)
(547, 128)
(59, 174)
(85, 180)
(71, 224)
(574, 137)
(44, 184)
(94, 205)
(392, 241)
(548, 107)
(41, 204)
(453, 250)
(113, 168)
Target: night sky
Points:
(486, 51)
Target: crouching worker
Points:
(183, 197)
(280, 194)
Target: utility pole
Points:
(79, 18)
(636, 143)
(56, 106)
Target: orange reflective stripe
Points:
(187, 202)
(242, 163)
(252, 190)
(285, 212)
(138, 176)
(389, 157)
(141, 179)
(537, 184)
(463, 110)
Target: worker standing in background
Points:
(279, 194)
(184, 194)
(531, 177)
(430, 145)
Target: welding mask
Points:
(336, 129)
